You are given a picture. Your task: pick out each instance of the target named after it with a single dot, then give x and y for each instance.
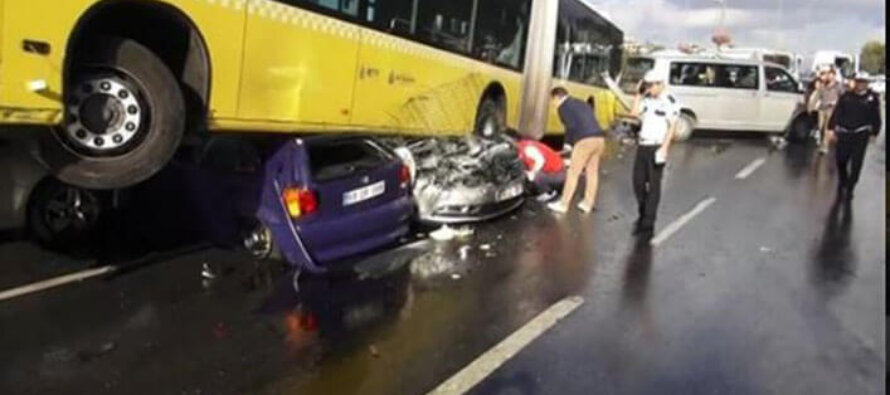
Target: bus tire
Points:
(124, 117)
(685, 127)
(490, 119)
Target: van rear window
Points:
(331, 160)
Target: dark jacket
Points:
(579, 121)
(854, 111)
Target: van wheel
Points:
(124, 117)
(685, 126)
(490, 121)
(62, 216)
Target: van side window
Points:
(714, 75)
(777, 80)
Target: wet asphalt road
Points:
(774, 288)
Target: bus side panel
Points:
(411, 88)
(48, 21)
(53, 21)
(299, 66)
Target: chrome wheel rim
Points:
(104, 115)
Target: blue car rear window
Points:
(338, 159)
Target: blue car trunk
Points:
(363, 204)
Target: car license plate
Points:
(509, 193)
(364, 193)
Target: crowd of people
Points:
(848, 114)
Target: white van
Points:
(722, 94)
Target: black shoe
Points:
(849, 194)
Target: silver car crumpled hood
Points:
(465, 179)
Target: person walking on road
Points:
(584, 134)
(544, 167)
(658, 112)
(828, 92)
(856, 120)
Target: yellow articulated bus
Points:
(120, 82)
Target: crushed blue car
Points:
(320, 203)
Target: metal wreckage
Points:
(463, 179)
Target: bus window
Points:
(444, 24)
(392, 16)
(346, 7)
(500, 32)
(587, 46)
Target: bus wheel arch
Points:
(174, 38)
(491, 114)
(136, 78)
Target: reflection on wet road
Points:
(774, 288)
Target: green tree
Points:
(873, 58)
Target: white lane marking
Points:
(54, 282)
(751, 168)
(496, 356)
(673, 227)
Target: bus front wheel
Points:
(124, 117)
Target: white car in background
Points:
(717, 93)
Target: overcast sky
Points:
(802, 26)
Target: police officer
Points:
(658, 112)
(856, 119)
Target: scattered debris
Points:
(206, 272)
(766, 250)
(485, 247)
(444, 233)
(463, 232)
(778, 141)
(89, 355)
(431, 264)
(462, 252)
(455, 276)
(373, 350)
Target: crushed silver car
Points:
(466, 179)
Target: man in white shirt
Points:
(658, 112)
